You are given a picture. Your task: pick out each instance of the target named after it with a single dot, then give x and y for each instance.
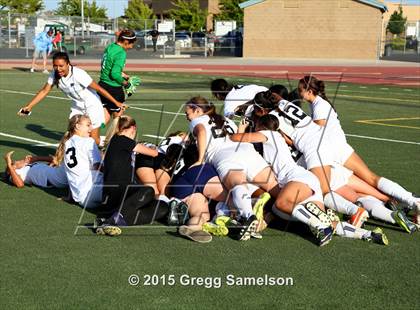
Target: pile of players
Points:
(223, 178)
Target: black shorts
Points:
(144, 161)
(117, 92)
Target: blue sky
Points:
(115, 7)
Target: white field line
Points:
(38, 143)
(42, 143)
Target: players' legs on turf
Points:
(267, 181)
(323, 173)
(147, 176)
(338, 203)
(363, 188)
(198, 210)
(162, 179)
(236, 182)
(292, 194)
(214, 190)
(376, 208)
(358, 166)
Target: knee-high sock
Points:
(347, 230)
(376, 208)
(242, 200)
(338, 203)
(397, 191)
(111, 131)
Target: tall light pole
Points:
(83, 18)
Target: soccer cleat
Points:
(178, 213)
(324, 235)
(392, 204)
(215, 230)
(258, 210)
(359, 218)
(256, 235)
(199, 236)
(108, 230)
(400, 218)
(32, 70)
(242, 231)
(378, 236)
(321, 215)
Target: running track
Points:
(383, 75)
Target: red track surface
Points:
(384, 75)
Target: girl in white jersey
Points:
(82, 159)
(236, 163)
(35, 170)
(79, 87)
(234, 95)
(313, 90)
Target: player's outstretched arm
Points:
(145, 150)
(35, 100)
(15, 178)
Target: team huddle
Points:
(229, 174)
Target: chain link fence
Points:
(17, 31)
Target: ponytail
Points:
(71, 128)
(316, 86)
(208, 109)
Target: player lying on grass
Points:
(322, 112)
(300, 189)
(78, 86)
(35, 170)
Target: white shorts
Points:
(342, 152)
(319, 158)
(242, 157)
(340, 176)
(95, 113)
(306, 177)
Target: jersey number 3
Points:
(72, 160)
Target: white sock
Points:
(376, 208)
(397, 191)
(242, 200)
(347, 230)
(338, 203)
(302, 215)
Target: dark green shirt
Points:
(112, 65)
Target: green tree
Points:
(397, 22)
(140, 15)
(21, 6)
(188, 15)
(230, 10)
(74, 8)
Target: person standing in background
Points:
(155, 35)
(43, 46)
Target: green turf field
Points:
(49, 259)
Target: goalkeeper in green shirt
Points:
(114, 80)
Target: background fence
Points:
(17, 31)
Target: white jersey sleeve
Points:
(240, 95)
(320, 109)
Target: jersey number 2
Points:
(72, 158)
